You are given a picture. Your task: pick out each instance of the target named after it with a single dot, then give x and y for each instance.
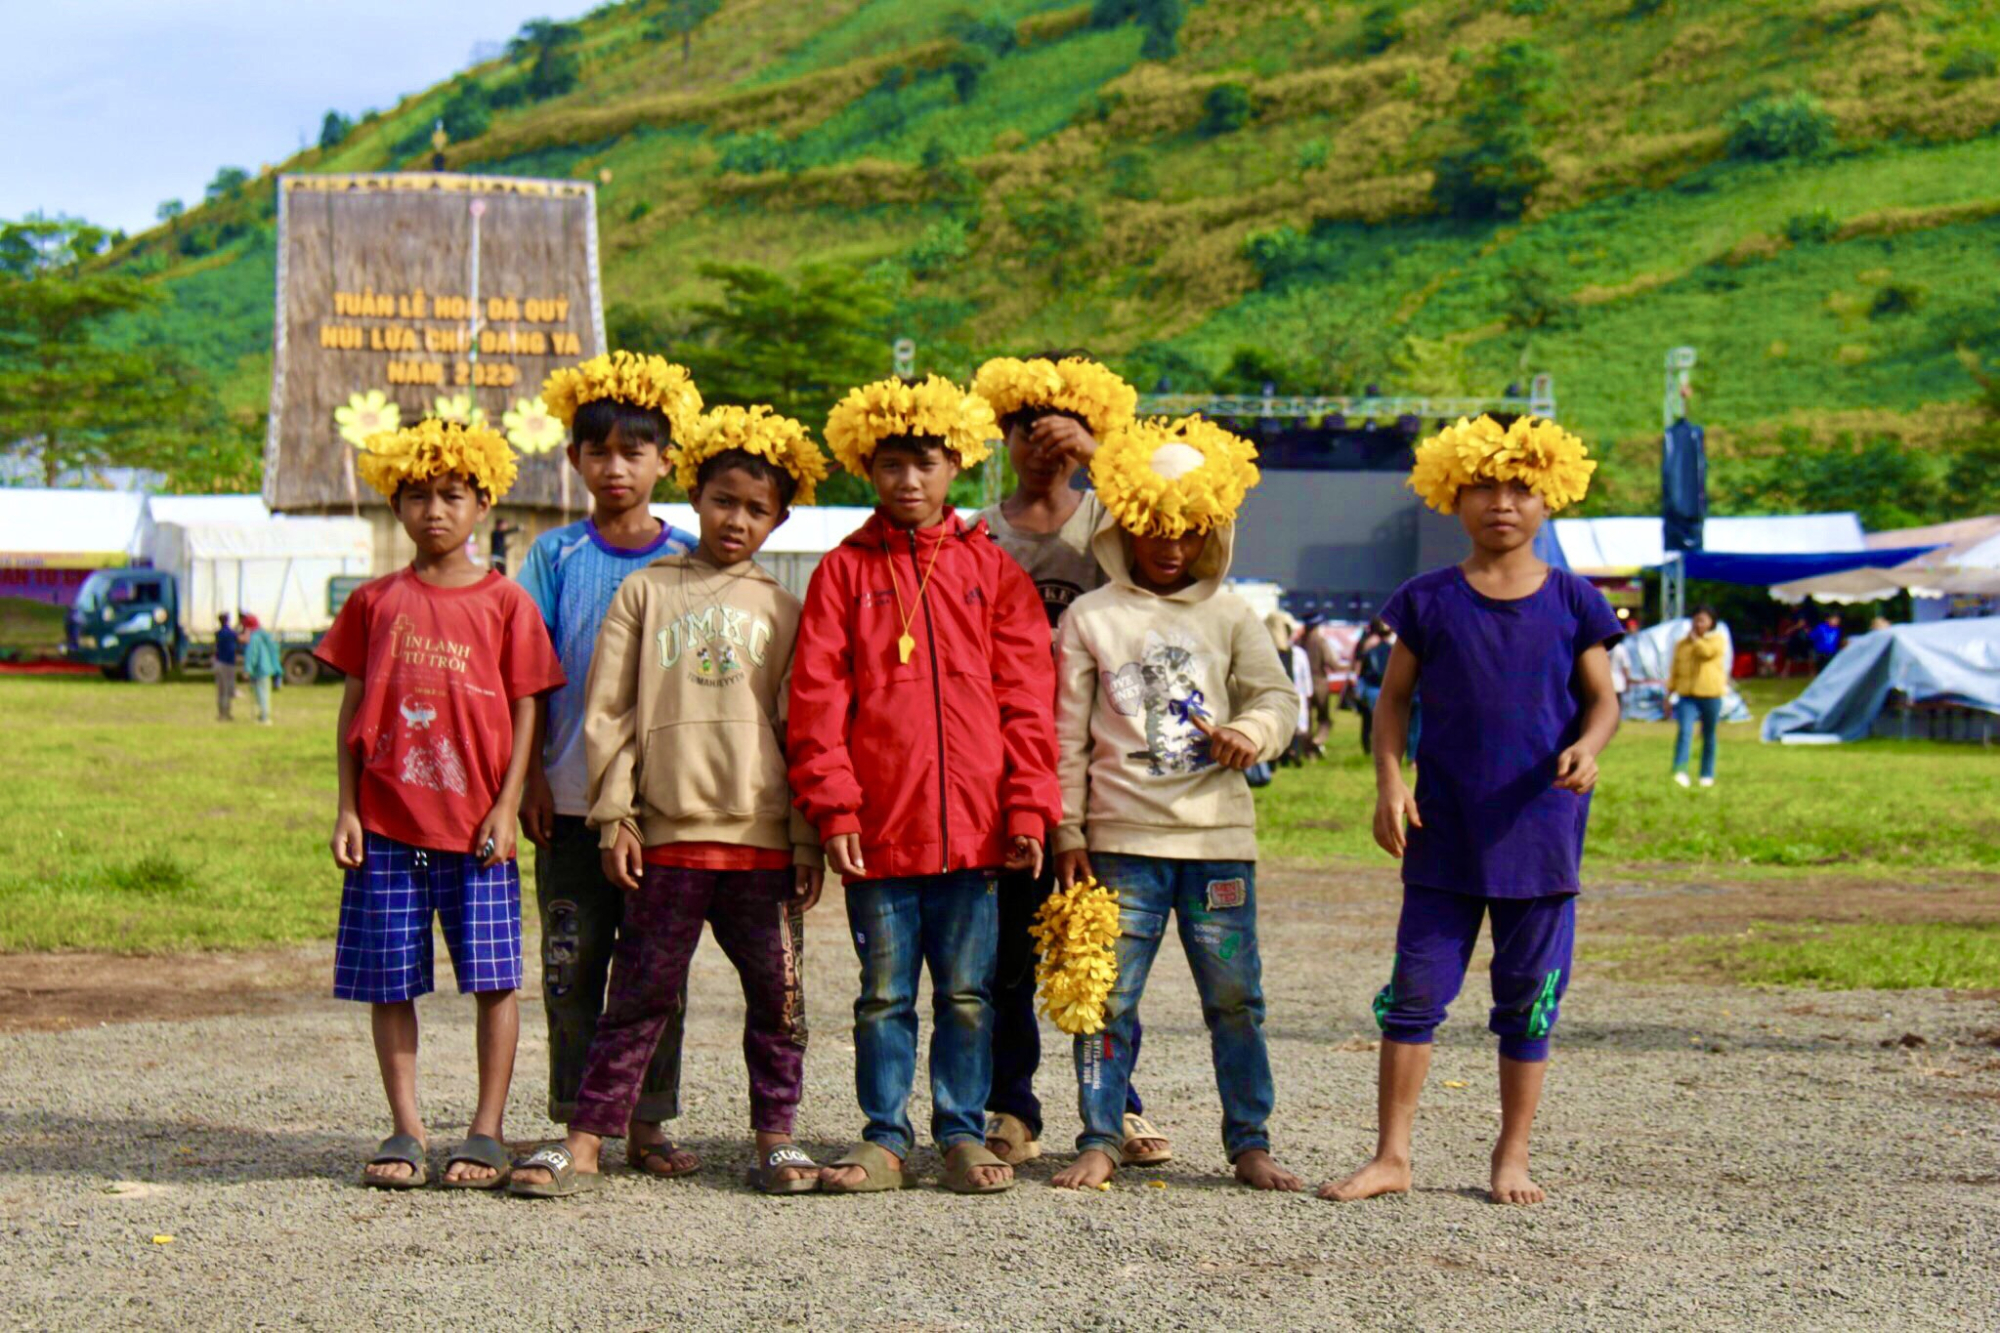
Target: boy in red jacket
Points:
(922, 749)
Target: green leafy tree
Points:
(796, 342)
(1501, 167)
(1226, 109)
(68, 398)
(1161, 20)
(227, 180)
(169, 212)
(334, 130)
(681, 18)
(1886, 483)
(554, 70)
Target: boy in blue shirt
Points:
(623, 412)
(1518, 704)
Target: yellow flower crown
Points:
(1074, 384)
(1162, 480)
(935, 406)
(435, 449)
(781, 441)
(1076, 933)
(1553, 462)
(642, 381)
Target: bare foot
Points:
(847, 1177)
(583, 1159)
(765, 1143)
(1381, 1175)
(1256, 1169)
(979, 1177)
(1090, 1169)
(469, 1171)
(650, 1152)
(389, 1170)
(1510, 1182)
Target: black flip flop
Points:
(565, 1180)
(399, 1148)
(785, 1157)
(480, 1150)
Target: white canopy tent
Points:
(1966, 563)
(1624, 546)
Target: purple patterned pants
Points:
(752, 915)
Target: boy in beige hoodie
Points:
(1168, 688)
(684, 732)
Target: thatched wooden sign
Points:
(404, 295)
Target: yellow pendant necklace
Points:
(908, 643)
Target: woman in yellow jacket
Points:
(1699, 680)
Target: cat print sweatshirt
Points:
(1135, 669)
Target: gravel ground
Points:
(1716, 1158)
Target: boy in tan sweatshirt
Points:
(684, 734)
(1168, 688)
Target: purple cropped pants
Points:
(752, 914)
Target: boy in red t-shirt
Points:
(922, 749)
(443, 662)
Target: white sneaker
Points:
(1681, 778)
(1708, 782)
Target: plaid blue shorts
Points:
(383, 952)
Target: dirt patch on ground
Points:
(40, 992)
(52, 991)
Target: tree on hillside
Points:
(1501, 166)
(679, 19)
(554, 70)
(67, 398)
(169, 212)
(796, 342)
(1160, 18)
(226, 180)
(334, 129)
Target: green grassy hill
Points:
(1260, 202)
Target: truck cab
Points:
(126, 623)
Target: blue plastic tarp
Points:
(1952, 661)
(1763, 571)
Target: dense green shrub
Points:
(1226, 109)
(1814, 228)
(334, 129)
(1771, 129)
(1971, 62)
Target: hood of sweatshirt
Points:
(1112, 552)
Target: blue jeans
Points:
(1017, 1033)
(1686, 710)
(953, 923)
(1215, 903)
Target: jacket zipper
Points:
(937, 705)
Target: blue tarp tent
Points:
(1952, 661)
(1766, 570)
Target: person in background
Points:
(1371, 662)
(1621, 667)
(260, 663)
(1699, 679)
(1826, 640)
(1325, 663)
(1285, 633)
(1878, 624)
(227, 646)
(1796, 635)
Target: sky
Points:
(114, 105)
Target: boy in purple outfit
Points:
(1518, 704)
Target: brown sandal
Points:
(646, 1152)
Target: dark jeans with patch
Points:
(1214, 904)
(759, 927)
(581, 915)
(1017, 1035)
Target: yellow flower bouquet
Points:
(1076, 934)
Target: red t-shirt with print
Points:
(441, 669)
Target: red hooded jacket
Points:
(938, 763)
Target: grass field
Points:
(139, 824)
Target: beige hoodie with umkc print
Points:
(1133, 668)
(685, 725)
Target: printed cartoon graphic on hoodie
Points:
(1135, 669)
